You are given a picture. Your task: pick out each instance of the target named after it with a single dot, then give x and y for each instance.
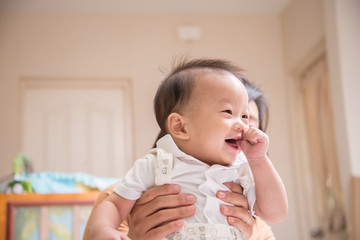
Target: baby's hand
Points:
(255, 144)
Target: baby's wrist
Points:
(258, 160)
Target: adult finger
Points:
(172, 214)
(152, 193)
(234, 187)
(161, 231)
(235, 212)
(244, 226)
(151, 224)
(159, 211)
(141, 211)
(234, 197)
(237, 215)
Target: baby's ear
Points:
(177, 126)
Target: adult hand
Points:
(107, 233)
(237, 215)
(159, 211)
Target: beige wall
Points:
(80, 45)
(304, 29)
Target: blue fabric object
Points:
(59, 182)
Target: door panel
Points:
(78, 126)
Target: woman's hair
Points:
(175, 90)
(258, 96)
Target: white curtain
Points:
(323, 162)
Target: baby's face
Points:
(216, 118)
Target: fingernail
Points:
(222, 195)
(227, 184)
(225, 209)
(189, 198)
(231, 220)
(179, 223)
(176, 188)
(190, 208)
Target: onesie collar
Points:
(167, 143)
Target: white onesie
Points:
(168, 164)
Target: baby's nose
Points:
(240, 125)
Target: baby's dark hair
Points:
(175, 90)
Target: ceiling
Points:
(149, 6)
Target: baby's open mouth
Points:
(233, 142)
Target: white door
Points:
(78, 125)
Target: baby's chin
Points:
(227, 162)
(225, 159)
(230, 159)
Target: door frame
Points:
(300, 149)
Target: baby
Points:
(202, 105)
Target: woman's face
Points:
(254, 114)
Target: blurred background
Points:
(77, 80)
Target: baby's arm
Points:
(108, 216)
(271, 201)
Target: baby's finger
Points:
(254, 135)
(250, 134)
